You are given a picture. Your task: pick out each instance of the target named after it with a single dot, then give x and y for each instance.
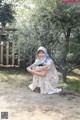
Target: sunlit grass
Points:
(77, 71)
(73, 85)
(73, 78)
(14, 77)
(23, 79)
(73, 81)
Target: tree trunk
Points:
(65, 71)
(64, 76)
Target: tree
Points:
(66, 18)
(6, 13)
(53, 23)
(59, 26)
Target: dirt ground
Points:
(23, 104)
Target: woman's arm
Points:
(42, 68)
(42, 73)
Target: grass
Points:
(73, 81)
(73, 85)
(22, 79)
(15, 77)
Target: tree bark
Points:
(64, 76)
(65, 71)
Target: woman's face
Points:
(41, 54)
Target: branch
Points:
(73, 68)
(57, 63)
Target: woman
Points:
(45, 75)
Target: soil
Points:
(23, 104)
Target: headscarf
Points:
(43, 60)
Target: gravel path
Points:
(22, 104)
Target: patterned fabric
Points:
(48, 84)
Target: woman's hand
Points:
(40, 73)
(28, 69)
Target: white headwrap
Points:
(43, 49)
(43, 60)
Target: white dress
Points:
(48, 84)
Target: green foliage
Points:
(66, 19)
(6, 13)
(74, 55)
(49, 23)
